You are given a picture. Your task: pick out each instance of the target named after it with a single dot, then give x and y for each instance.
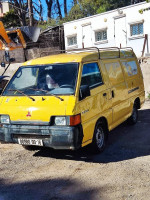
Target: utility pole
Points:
(30, 7)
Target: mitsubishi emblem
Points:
(29, 114)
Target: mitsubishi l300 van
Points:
(70, 100)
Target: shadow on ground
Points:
(53, 189)
(125, 142)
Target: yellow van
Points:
(70, 100)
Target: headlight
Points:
(68, 120)
(60, 121)
(4, 119)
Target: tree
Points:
(30, 10)
(20, 7)
(84, 8)
(65, 7)
(49, 9)
(40, 11)
(136, 1)
(25, 9)
(58, 9)
(10, 19)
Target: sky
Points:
(69, 3)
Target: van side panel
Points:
(120, 102)
(134, 80)
(92, 108)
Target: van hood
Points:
(24, 109)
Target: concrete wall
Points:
(145, 66)
(117, 23)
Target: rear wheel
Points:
(134, 116)
(99, 138)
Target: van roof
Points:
(78, 56)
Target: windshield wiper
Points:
(46, 92)
(22, 93)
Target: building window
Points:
(136, 29)
(72, 40)
(100, 35)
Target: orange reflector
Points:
(75, 120)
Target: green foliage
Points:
(45, 24)
(10, 19)
(143, 10)
(148, 96)
(86, 8)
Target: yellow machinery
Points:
(11, 39)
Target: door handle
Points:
(112, 93)
(104, 95)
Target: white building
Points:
(4, 8)
(123, 27)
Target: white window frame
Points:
(103, 40)
(138, 36)
(74, 44)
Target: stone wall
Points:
(18, 54)
(39, 52)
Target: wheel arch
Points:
(103, 120)
(137, 103)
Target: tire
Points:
(134, 116)
(99, 138)
(30, 148)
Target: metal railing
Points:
(93, 49)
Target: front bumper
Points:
(57, 137)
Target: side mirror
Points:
(1, 90)
(11, 60)
(84, 92)
(3, 64)
(7, 56)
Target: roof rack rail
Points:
(71, 50)
(99, 50)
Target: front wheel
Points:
(134, 117)
(99, 138)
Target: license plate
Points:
(24, 141)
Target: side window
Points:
(130, 68)
(114, 72)
(91, 75)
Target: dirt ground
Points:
(122, 171)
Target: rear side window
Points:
(130, 68)
(114, 72)
(91, 75)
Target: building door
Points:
(86, 36)
(120, 32)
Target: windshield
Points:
(52, 79)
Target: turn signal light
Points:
(75, 120)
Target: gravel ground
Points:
(122, 171)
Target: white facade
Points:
(4, 8)
(123, 27)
